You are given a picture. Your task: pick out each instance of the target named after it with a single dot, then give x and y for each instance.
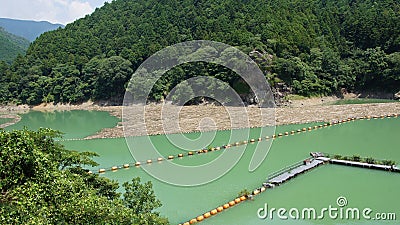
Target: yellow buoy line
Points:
(334, 122)
(298, 168)
(216, 210)
(245, 142)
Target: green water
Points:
(377, 138)
(5, 120)
(318, 188)
(74, 124)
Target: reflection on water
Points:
(74, 124)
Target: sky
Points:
(54, 11)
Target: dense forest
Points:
(43, 183)
(11, 46)
(314, 47)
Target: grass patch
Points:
(294, 97)
(361, 101)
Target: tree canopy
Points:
(11, 45)
(43, 183)
(315, 47)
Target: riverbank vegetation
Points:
(308, 48)
(42, 183)
(370, 160)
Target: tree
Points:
(43, 183)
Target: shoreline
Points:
(209, 117)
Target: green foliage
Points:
(243, 192)
(388, 162)
(42, 183)
(356, 158)
(369, 160)
(11, 46)
(316, 48)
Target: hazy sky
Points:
(55, 11)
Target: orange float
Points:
(200, 218)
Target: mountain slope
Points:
(27, 28)
(11, 46)
(307, 47)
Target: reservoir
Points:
(319, 188)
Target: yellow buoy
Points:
(309, 128)
(200, 218)
(280, 134)
(190, 153)
(244, 142)
(126, 165)
(149, 161)
(286, 133)
(207, 214)
(252, 140)
(114, 168)
(242, 198)
(186, 223)
(267, 137)
(214, 211)
(259, 139)
(231, 203)
(170, 157)
(192, 221)
(237, 200)
(225, 206)
(102, 170)
(262, 189)
(274, 136)
(137, 164)
(304, 129)
(160, 159)
(218, 148)
(256, 192)
(180, 155)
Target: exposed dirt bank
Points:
(209, 117)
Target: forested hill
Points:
(315, 47)
(27, 29)
(11, 46)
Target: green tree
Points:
(43, 183)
